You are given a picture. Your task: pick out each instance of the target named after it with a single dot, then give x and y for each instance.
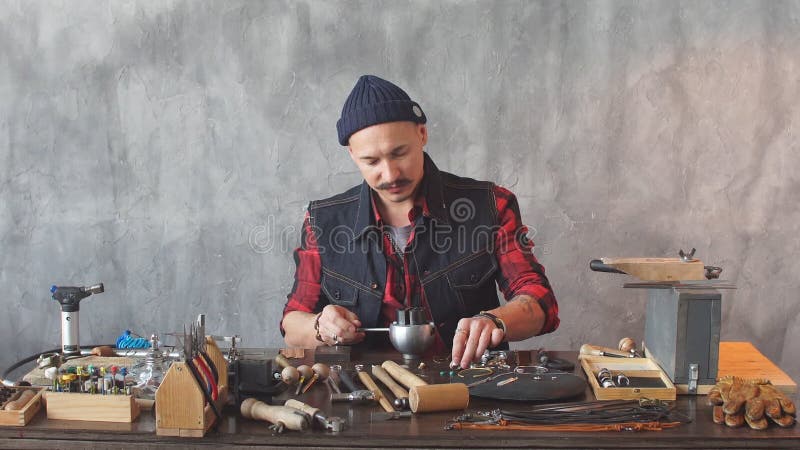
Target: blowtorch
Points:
(69, 297)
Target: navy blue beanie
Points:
(372, 101)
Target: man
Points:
(411, 235)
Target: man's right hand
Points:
(338, 325)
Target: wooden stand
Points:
(22, 416)
(91, 407)
(181, 409)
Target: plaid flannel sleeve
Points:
(520, 271)
(305, 295)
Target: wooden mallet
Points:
(424, 397)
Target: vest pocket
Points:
(473, 272)
(339, 291)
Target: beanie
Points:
(372, 101)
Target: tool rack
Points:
(181, 408)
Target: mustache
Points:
(399, 183)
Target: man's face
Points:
(389, 156)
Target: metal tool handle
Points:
(372, 330)
(599, 266)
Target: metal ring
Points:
(461, 330)
(335, 339)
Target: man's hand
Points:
(337, 325)
(473, 336)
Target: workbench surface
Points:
(420, 431)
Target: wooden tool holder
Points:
(22, 416)
(91, 407)
(632, 367)
(181, 408)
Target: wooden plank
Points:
(742, 359)
(659, 269)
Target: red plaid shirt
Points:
(520, 272)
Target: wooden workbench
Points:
(421, 431)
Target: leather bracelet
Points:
(498, 322)
(316, 328)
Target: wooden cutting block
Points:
(659, 269)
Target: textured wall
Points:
(167, 149)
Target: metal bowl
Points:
(412, 340)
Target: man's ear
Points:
(423, 130)
(350, 150)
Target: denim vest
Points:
(452, 252)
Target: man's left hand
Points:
(473, 336)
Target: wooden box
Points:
(91, 407)
(633, 368)
(22, 416)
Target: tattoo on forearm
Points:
(526, 303)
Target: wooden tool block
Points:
(631, 367)
(91, 407)
(659, 269)
(21, 417)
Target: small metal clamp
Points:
(694, 372)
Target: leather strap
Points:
(316, 328)
(625, 426)
(498, 322)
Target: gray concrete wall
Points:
(168, 148)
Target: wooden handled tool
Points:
(424, 397)
(290, 375)
(321, 372)
(19, 400)
(282, 361)
(280, 416)
(335, 424)
(400, 394)
(596, 350)
(370, 384)
(652, 269)
(402, 375)
(305, 374)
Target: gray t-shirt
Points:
(399, 236)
